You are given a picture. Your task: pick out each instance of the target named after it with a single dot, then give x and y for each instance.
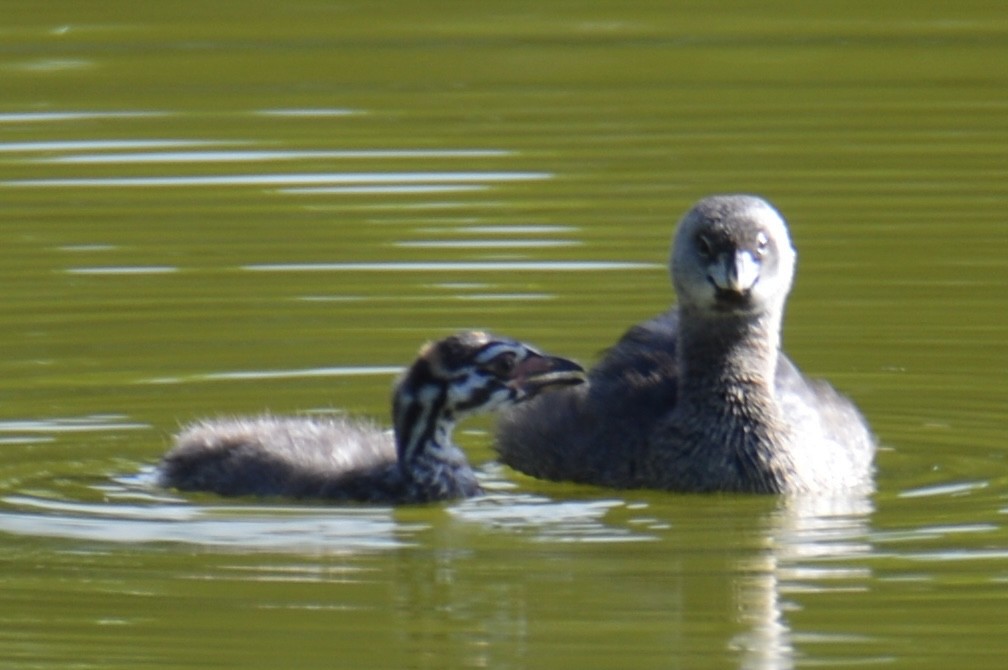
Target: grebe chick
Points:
(702, 398)
(354, 460)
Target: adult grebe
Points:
(702, 398)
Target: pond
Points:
(222, 208)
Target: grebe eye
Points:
(704, 247)
(503, 365)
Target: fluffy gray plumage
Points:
(701, 398)
(333, 458)
(350, 459)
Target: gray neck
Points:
(727, 405)
(728, 360)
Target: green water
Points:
(230, 207)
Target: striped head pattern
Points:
(466, 374)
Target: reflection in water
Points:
(548, 520)
(240, 528)
(682, 554)
(802, 529)
(140, 512)
(510, 573)
(800, 546)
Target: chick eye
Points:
(762, 244)
(704, 247)
(503, 365)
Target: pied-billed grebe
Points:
(701, 398)
(354, 460)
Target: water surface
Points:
(213, 210)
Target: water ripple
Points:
(374, 178)
(384, 190)
(556, 521)
(265, 156)
(255, 528)
(347, 371)
(40, 117)
(93, 423)
(485, 244)
(308, 112)
(102, 145)
(124, 270)
(478, 266)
